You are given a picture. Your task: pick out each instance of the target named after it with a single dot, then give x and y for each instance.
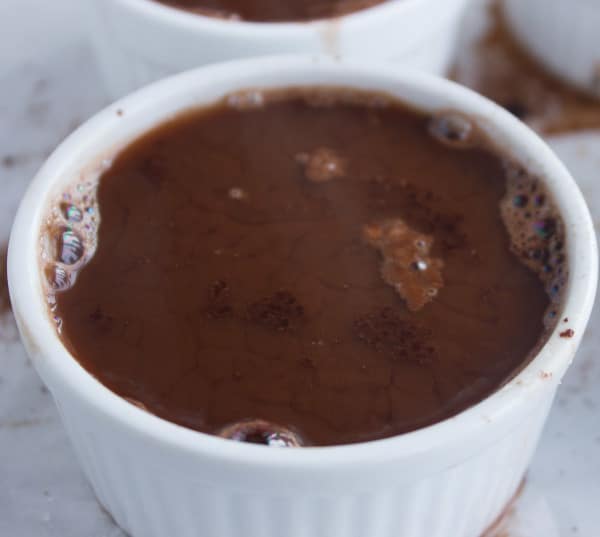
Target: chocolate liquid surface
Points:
(321, 262)
(272, 10)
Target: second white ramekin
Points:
(140, 41)
(564, 35)
(157, 479)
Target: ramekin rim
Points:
(177, 16)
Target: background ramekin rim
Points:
(194, 21)
(58, 366)
(561, 36)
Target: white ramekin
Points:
(140, 41)
(158, 479)
(564, 35)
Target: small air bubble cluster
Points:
(536, 230)
(452, 129)
(544, 228)
(71, 212)
(58, 277)
(325, 99)
(322, 165)
(69, 237)
(247, 99)
(520, 201)
(261, 432)
(407, 265)
(70, 248)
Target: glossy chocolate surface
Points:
(322, 261)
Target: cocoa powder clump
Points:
(387, 332)
(279, 311)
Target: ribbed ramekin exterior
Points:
(563, 34)
(148, 498)
(134, 50)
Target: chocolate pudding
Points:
(308, 267)
(272, 10)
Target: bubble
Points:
(246, 99)
(419, 265)
(451, 129)
(58, 277)
(277, 439)
(520, 200)
(71, 212)
(261, 432)
(236, 193)
(70, 247)
(539, 254)
(322, 164)
(544, 228)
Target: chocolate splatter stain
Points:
(8, 161)
(499, 68)
(25, 423)
(16, 160)
(500, 527)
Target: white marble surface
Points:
(48, 85)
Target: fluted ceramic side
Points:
(150, 499)
(563, 34)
